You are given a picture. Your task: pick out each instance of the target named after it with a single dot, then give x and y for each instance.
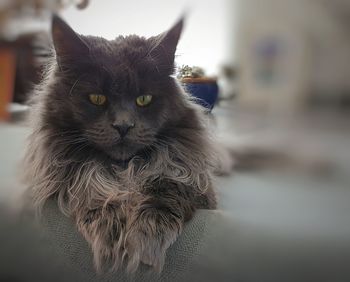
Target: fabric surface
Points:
(74, 249)
(214, 246)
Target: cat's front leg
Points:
(156, 221)
(150, 233)
(103, 228)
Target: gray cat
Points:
(120, 146)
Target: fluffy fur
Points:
(129, 198)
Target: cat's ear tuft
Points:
(171, 38)
(68, 44)
(164, 45)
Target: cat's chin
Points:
(120, 156)
(122, 151)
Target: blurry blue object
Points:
(205, 92)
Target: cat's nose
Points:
(123, 128)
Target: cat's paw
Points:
(148, 237)
(104, 228)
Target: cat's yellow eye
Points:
(98, 99)
(143, 100)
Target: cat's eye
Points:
(143, 100)
(98, 99)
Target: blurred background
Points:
(282, 68)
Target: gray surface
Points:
(76, 251)
(213, 247)
(12, 138)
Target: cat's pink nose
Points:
(123, 128)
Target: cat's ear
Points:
(68, 44)
(164, 45)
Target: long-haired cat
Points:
(119, 144)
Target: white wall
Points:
(204, 41)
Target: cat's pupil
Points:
(97, 99)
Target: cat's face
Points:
(118, 94)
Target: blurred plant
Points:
(83, 4)
(186, 71)
(80, 4)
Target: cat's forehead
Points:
(121, 65)
(124, 58)
(127, 50)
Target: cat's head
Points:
(118, 94)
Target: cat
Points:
(119, 145)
